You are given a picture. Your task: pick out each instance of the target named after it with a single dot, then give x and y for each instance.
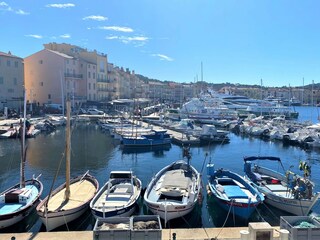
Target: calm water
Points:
(98, 152)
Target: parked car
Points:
(94, 111)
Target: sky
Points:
(235, 41)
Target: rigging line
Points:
(260, 214)
(54, 179)
(225, 221)
(274, 215)
(66, 223)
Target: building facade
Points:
(52, 76)
(11, 81)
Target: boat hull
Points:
(169, 208)
(9, 219)
(57, 218)
(293, 206)
(103, 205)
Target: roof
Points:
(8, 55)
(60, 54)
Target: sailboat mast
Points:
(23, 141)
(68, 148)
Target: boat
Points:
(173, 191)
(284, 190)
(210, 134)
(233, 192)
(155, 138)
(71, 199)
(118, 197)
(19, 200)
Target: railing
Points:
(71, 75)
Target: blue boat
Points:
(155, 138)
(232, 192)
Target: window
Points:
(94, 75)
(67, 61)
(40, 61)
(16, 64)
(88, 65)
(94, 87)
(89, 96)
(49, 96)
(8, 63)
(41, 84)
(89, 86)
(15, 82)
(89, 74)
(1, 80)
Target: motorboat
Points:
(284, 190)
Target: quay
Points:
(166, 234)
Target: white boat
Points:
(174, 191)
(284, 190)
(205, 110)
(19, 200)
(118, 197)
(69, 201)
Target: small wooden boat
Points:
(70, 200)
(233, 192)
(118, 197)
(174, 191)
(286, 191)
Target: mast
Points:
(23, 141)
(68, 148)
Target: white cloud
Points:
(95, 17)
(60, 5)
(34, 36)
(117, 28)
(65, 36)
(3, 4)
(21, 12)
(163, 57)
(138, 41)
(5, 7)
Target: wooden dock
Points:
(177, 137)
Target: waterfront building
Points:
(51, 75)
(97, 86)
(11, 80)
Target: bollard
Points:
(244, 235)
(174, 236)
(284, 234)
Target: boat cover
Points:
(233, 191)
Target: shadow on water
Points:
(158, 150)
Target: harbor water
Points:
(99, 153)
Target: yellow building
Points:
(51, 76)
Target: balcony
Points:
(71, 75)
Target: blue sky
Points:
(239, 41)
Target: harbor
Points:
(96, 151)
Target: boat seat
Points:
(233, 191)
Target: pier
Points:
(167, 234)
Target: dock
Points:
(166, 234)
(177, 137)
